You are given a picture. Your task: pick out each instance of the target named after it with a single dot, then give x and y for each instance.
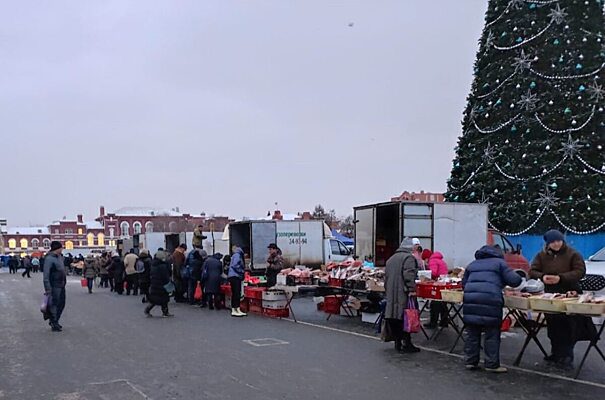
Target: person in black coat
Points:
(212, 277)
(159, 277)
(145, 276)
(117, 270)
(483, 282)
(195, 262)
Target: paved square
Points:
(265, 342)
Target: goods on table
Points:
(432, 289)
(452, 296)
(298, 275)
(588, 304)
(354, 275)
(554, 302)
(517, 299)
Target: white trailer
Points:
(456, 230)
(306, 243)
(152, 241)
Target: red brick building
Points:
(105, 230)
(129, 221)
(421, 197)
(71, 233)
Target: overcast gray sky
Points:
(228, 106)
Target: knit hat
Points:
(55, 245)
(161, 255)
(407, 243)
(553, 235)
(426, 254)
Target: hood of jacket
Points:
(488, 252)
(437, 256)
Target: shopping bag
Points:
(411, 317)
(197, 296)
(45, 306)
(386, 335)
(169, 287)
(84, 282)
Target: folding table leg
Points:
(458, 339)
(593, 343)
(289, 307)
(532, 334)
(420, 314)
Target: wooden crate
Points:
(585, 308)
(549, 305)
(452, 296)
(517, 302)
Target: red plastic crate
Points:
(255, 306)
(332, 304)
(279, 313)
(244, 305)
(226, 290)
(252, 292)
(432, 290)
(336, 282)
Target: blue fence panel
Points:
(587, 245)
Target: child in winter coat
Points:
(438, 268)
(483, 282)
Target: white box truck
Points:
(308, 243)
(152, 241)
(457, 230)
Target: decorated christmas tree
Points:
(534, 127)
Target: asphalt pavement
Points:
(110, 350)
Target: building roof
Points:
(93, 225)
(28, 230)
(146, 212)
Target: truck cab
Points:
(512, 256)
(336, 251)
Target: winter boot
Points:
(235, 313)
(242, 314)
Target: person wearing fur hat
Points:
(399, 284)
(561, 268)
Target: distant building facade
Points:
(422, 197)
(104, 232)
(128, 221)
(72, 234)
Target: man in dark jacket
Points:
(561, 268)
(400, 283)
(54, 284)
(483, 282)
(13, 264)
(275, 263)
(159, 276)
(212, 272)
(178, 267)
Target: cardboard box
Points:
(369, 318)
